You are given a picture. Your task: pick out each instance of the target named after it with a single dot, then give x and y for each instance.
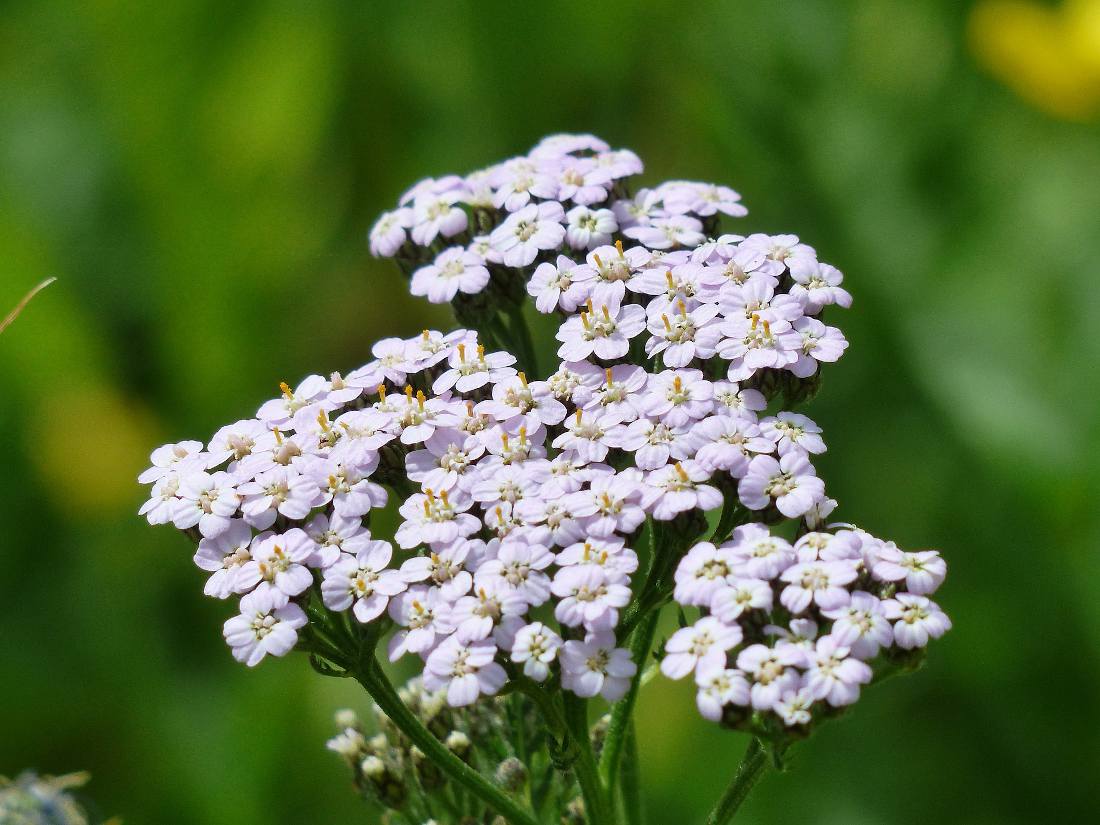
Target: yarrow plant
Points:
(551, 508)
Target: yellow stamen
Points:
(606, 499)
(426, 335)
(408, 392)
(767, 328)
(619, 246)
(522, 379)
(285, 389)
(587, 551)
(668, 326)
(443, 498)
(419, 607)
(683, 307)
(382, 393)
(677, 384)
(755, 321)
(578, 416)
(434, 557)
(584, 319)
(596, 258)
(504, 441)
(480, 352)
(681, 472)
(461, 353)
(322, 420)
(523, 434)
(332, 482)
(607, 372)
(668, 277)
(420, 398)
(606, 313)
(278, 435)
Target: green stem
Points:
(596, 806)
(630, 779)
(382, 691)
(748, 772)
(622, 712)
(521, 335)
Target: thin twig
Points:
(22, 304)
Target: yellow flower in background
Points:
(1049, 55)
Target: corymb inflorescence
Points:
(551, 503)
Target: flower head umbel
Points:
(551, 498)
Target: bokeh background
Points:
(200, 177)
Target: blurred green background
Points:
(200, 177)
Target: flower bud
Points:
(457, 742)
(346, 718)
(373, 768)
(511, 774)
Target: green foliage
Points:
(200, 177)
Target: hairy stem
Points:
(382, 691)
(622, 712)
(630, 778)
(596, 806)
(749, 771)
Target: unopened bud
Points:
(348, 744)
(457, 742)
(511, 774)
(379, 743)
(346, 718)
(372, 767)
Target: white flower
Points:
(730, 601)
(821, 582)
(719, 686)
(535, 647)
(588, 228)
(589, 595)
(206, 500)
(701, 574)
(790, 482)
(278, 562)
(552, 286)
(185, 457)
(833, 675)
(362, 582)
(454, 270)
(596, 667)
(923, 571)
(424, 617)
(268, 623)
(703, 643)
(771, 672)
(861, 625)
(223, 557)
(918, 619)
(437, 214)
(465, 670)
(795, 707)
(535, 227)
(603, 330)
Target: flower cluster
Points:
(391, 771)
(31, 799)
(541, 519)
(786, 626)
